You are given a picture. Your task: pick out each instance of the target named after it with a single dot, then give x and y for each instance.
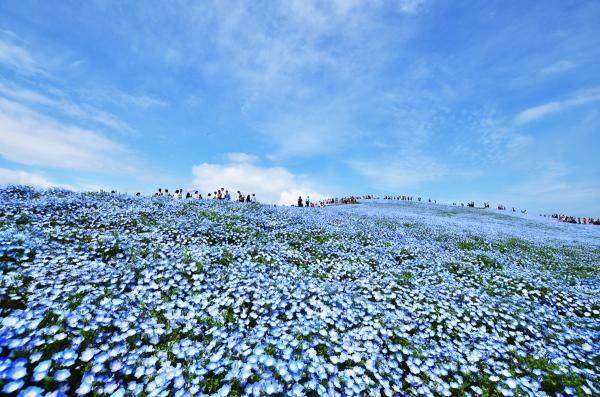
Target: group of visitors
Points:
(486, 204)
(219, 194)
(329, 201)
(571, 219)
(403, 198)
(223, 194)
(344, 200)
(406, 198)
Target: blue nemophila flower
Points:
(347, 301)
(87, 355)
(62, 375)
(13, 386)
(31, 391)
(16, 372)
(84, 388)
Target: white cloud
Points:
(270, 184)
(17, 57)
(558, 67)
(57, 101)
(306, 135)
(122, 98)
(18, 177)
(499, 140)
(28, 137)
(237, 157)
(144, 101)
(541, 111)
(410, 6)
(552, 188)
(400, 172)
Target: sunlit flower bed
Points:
(116, 295)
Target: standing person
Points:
(167, 193)
(307, 201)
(159, 193)
(248, 198)
(227, 195)
(196, 195)
(253, 198)
(218, 194)
(299, 201)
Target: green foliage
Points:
(475, 243)
(226, 258)
(270, 350)
(186, 256)
(213, 382)
(236, 388)
(75, 300)
(22, 220)
(487, 263)
(146, 220)
(554, 380)
(403, 255)
(229, 316)
(322, 350)
(512, 245)
(209, 321)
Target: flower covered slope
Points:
(117, 295)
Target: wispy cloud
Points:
(305, 79)
(410, 6)
(15, 56)
(20, 177)
(541, 111)
(239, 157)
(401, 172)
(81, 111)
(122, 98)
(551, 186)
(28, 137)
(558, 67)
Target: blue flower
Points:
(31, 391)
(13, 386)
(62, 375)
(17, 372)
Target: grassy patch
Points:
(473, 244)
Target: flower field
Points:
(118, 295)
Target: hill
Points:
(117, 295)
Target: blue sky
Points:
(481, 100)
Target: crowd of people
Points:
(328, 201)
(223, 194)
(219, 194)
(571, 219)
(486, 204)
(405, 198)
